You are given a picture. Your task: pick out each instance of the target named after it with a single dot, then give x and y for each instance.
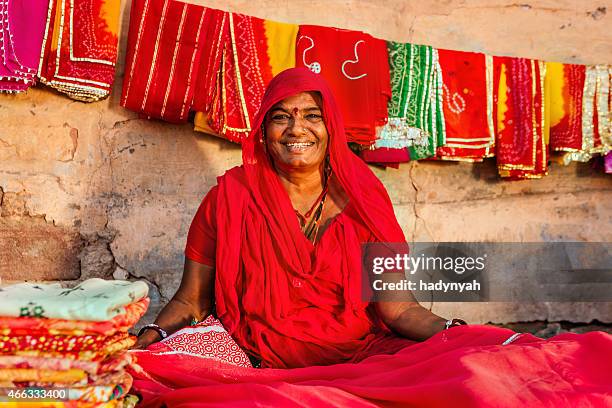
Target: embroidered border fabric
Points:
(79, 49)
(416, 118)
(467, 92)
(521, 128)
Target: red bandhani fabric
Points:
(35, 326)
(521, 148)
(80, 48)
(238, 55)
(468, 105)
(206, 339)
(566, 132)
(466, 366)
(22, 26)
(356, 66)
(165, 42)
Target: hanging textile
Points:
(521, 130)
(566, 84)
(22, 25)
(385, 156)
(355, 65)
(270, 46)
(596, 130)
(467, 89)
(80, 48)
(416, 117)
(608, 163)
(244, 75)
(164, 46)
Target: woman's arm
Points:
(403, 314)
(410, 319)
(193, 298)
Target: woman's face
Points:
(296, 136)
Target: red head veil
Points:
(367, 193)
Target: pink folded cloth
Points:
(22, 26)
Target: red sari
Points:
(298, 307)
(164, 46)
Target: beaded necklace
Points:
(310, 222)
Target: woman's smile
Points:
(298, 147)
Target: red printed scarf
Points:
(468, 105)
(521, 149)
(356, 67)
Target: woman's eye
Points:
(280, 117)
(314, 117)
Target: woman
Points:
(277, 245)
(303, 203)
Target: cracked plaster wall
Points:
(92, 190)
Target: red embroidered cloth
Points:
(80, 48)
(356, 66)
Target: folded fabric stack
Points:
(74, 340)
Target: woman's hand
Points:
(192, 299)
(145, 339)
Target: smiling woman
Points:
(290, 223)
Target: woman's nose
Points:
(296, 125)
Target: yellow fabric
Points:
(281, 38)
(109, 12)
(554, 82)
(201, 124)
(33, 374)
(56, 26)
(502, 99)
(547, 92)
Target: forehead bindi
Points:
(303, 102)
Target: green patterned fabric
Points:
(416, 119)
(91, 300)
